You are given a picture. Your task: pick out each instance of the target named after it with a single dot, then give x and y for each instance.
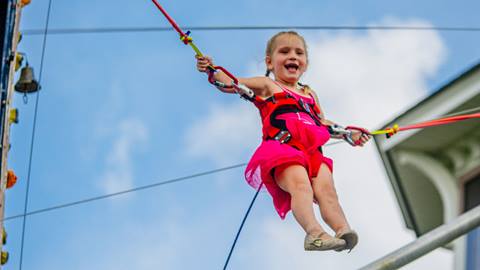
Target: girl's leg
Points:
(326, 196)
(294, 180)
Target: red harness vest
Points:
(280, 103)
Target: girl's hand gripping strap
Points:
(339, 132)
(350, 138)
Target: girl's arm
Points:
(357, 135)
(261, 86)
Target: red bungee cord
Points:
(187, 40)
(436, 122)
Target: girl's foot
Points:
(323, 241)
(350, 237)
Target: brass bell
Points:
(27, 83)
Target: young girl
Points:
(289, 162)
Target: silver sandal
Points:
(351, 239)
(313, 242)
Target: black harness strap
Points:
(284, 136)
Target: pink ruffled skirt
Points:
(271, 154)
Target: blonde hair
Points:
(271, 47)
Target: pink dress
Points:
(271, 154)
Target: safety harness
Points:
(284, 102)
(276, 105)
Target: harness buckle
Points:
(338, 132)
(283, 136)
(243, 91)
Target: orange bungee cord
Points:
(436, 122)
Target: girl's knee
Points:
(293, 179)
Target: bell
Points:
(27, 83)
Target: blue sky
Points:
(123, 110)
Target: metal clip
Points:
(283, 136)
(338, 132)
(244, 92)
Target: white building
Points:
(435, 171)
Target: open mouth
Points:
(291, 67)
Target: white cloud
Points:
(367, 79)
(361, 79)
(118, 173)
(226, 134)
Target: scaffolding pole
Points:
(11, 23)
(438, 237)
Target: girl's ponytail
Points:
(309, 91)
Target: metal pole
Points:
(436, 238)
(10, 39)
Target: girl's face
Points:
(288, 60)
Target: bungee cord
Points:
(185, 37)
(188, 40)
(436, 122)
(241, 227)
